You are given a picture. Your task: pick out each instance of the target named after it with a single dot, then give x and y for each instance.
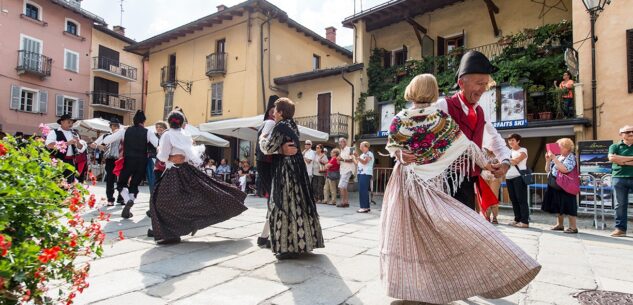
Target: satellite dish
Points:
(571, 60)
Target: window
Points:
(220, 46)
(71, 60)
(32, 11)
(68, 106)
(399, 57)
(453, 43)
(30, 57)
(216, 99)
(316, 62)
(72, 27)
(27, 100)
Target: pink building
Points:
(45, 49)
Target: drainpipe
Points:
(270, 83)
(352, 85)
(261, 58)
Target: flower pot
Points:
(530, 116)
(545, 115)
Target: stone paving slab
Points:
(223, 265)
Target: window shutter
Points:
(220, 93)
(43, 102)
(15, 97)
(59, 105)
(80, 109)
(629, 58)
(440, 46)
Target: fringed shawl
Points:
(444, 154)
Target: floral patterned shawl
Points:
(444, 154)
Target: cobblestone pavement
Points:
(222, 264)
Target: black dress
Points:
(293, 218)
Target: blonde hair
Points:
(566, 143)
(422, 89)
(365, 143)
(336, 152)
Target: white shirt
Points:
(119, 135)
(513, 172)
(52, 138)
(492, 138)
(310, 155)
(366, 169)
(346, 154)
(165, 149)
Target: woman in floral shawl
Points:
(294, 222)
(433, 248)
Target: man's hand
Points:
(499, 169)
(407, 157)
(289, 149)
(93, 145)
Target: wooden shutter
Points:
(43, 102)
(80, 109)
(220, 96)
(59, 105)
(15, 97)
(629, 58)
(386, 59)
(440, 46)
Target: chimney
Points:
(119, 30)
(221, 7)
(330, 34)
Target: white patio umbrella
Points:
(246, 129)
(201, 136)
(88, 127)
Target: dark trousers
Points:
(517, 190)
(134, 172)
(70, 175)
(465, 193)
(364, 182)
(149, 174)
(110, 179)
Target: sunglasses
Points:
(628, 132)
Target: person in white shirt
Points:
(308, 157)
(74, 145)
(135, 144)
(365, 171)
(516, 187)
(347, 169)
(111, 154)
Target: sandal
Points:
(363, 211)
(494, 221)
(521, 225)
(557, 228)
(571, 231)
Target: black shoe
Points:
(168, 241)
(285, 255)
(148, 213)
(150, 233)
(120, 201)
(263, 242)
(126, 210)
(194, 232)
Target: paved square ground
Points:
(222, 264)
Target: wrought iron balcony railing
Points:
(114, 67)
(216, 63)
(336, 124)
(113, 100)
(34, 63)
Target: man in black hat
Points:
(136, 140)
(473, 79)
(74, 145)
(111, 153)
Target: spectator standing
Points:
(517, 190)
(568, 96)
(318, 173)
(332, 177)
(347, 169)
(365, 171)
(621, 154)
(556, 200)
(308, 158)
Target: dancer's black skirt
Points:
(186, 199)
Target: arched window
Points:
(32, 11)
(72, 27)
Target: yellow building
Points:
(116, 76)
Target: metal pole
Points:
(594, 16)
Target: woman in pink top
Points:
(568, 97)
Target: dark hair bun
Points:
(175, 119)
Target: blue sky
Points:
(146, 18)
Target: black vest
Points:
(151, 150)
(135, 142)
(61, 137)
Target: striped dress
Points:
(433, 248)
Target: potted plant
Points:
(556, 101)
(536, 90)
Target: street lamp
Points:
(594, 7)
(169, 98)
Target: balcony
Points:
(167, 75)
(336, 124)
(107, 100)
(113, 68)
(216, 64)
(34, 63)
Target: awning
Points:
(88, 127)
(246, 129)
(201, 137)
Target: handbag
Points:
(334, 175)
(526, 175)
(569, 182)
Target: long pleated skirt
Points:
(186, 199)
(434, 249)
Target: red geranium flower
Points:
(121, 237)
(3, 150)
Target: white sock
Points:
(125, 194)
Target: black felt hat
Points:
(65, 117)
(474, 62)
(271, 104)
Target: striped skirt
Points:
(434, 249)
